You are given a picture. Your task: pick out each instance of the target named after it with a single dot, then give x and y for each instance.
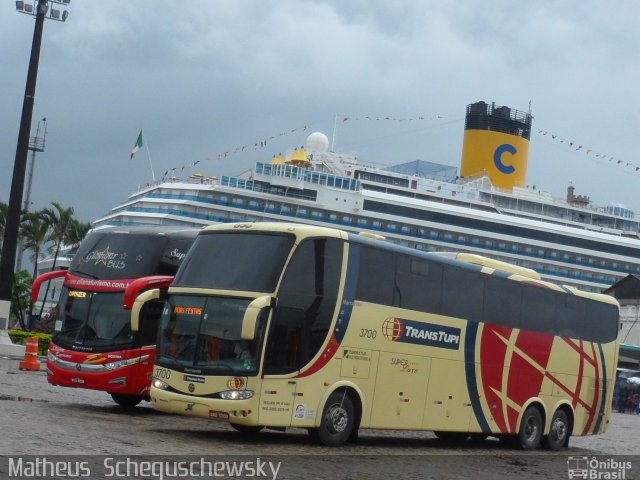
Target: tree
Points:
(59, 218)
(33, 230)
(76, 232)
(21, 297)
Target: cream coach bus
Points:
(282, 325)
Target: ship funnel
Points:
(496, 144)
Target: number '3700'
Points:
(161, 373)
(368, 333)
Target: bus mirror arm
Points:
(139, 284)
(252, 313)
(45, 277)
(139, 303)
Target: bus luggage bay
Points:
(93, 344)
(278, 325)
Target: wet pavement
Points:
(40, 419)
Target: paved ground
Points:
(39, 419)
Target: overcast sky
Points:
(204, 77)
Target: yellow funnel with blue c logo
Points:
(496, 145)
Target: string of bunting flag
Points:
(258, 144)
(576, 146)
(262, 143)
(346, 118)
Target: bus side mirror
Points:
(251, 315)
(139, 303)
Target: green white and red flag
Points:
(137, 146)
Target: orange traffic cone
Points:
(30, 361)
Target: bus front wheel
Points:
(337, 422)
(530, 431)
(128, 401)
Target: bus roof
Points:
(168, 230)
(467, 261)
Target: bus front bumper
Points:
(242, 412)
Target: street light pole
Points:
(9, 244)
(8, 258)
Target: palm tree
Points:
(76, 232)
(58, 219)
(34, 230)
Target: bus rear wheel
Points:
(530, 431)
(559, 431)
(337, 422)
(128, 401)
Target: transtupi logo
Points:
(497, 158)
(419, 333)
(235, 383)
(393, 329)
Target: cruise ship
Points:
(486, 208)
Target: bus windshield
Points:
(93, 321)
(111, 255)
(235, 261)
(202, 334)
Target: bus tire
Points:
(247, 429)
(559, 431)
(128, 401)
(337, 422)
(530, 432)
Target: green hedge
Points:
(19, 337)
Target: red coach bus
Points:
(93, 344)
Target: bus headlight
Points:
(159, 384)
(125, 363)
(236, 394)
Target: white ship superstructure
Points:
(567, 241)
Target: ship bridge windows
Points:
(379, 178)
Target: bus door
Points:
(279, 382)
(299, 326)
(146, 340)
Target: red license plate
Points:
(218, 415)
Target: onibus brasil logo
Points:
(597, 468)
(419, 333)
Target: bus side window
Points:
(376, 276)
(306, 305)
(418, 284)
(463, 293)
(502, 301)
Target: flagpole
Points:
(335, 128)
(153, 175)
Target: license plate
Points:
(218, 415)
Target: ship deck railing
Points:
(418, 233)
